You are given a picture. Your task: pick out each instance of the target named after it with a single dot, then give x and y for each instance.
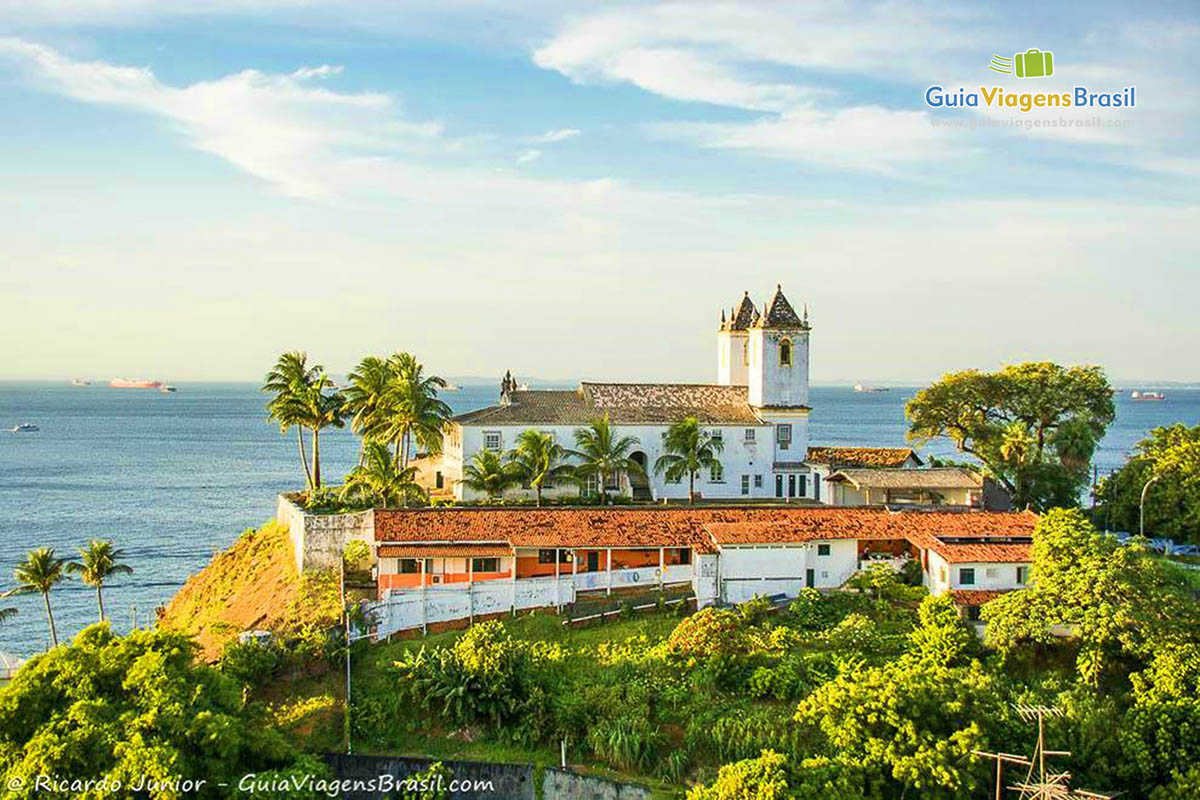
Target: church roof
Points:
(625, 403)
(744, 316)
(780, 314)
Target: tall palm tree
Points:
(321, 410)
(38, 573)
(538, 460)
(380, 478)
(289, 381)
(602, 454)
(98, 561)
(367, 398)
(688, 449)
(488, 473)
(415, 412)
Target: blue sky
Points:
(574, 190)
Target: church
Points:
(759, 408)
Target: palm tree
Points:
(602, 454)
(98, 562)
(688, 449)
(538, 460)
(415, 412)
(289, 381)
(380, 477)
(489, 474)
(38, 573)
(367, 398)
(7, 613)
(321, 411)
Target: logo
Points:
(1033, 63)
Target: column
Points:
(662, 568)
(557, 596)
(608, 585)
(424, 609)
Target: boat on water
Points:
(139, 383)
(1136, 395)
(80, 382)
(524, 387)
(167, 388)
(24, 427)
(451, 387)
(858, 387)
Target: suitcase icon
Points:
(1034, 63)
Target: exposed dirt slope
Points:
(253, 584)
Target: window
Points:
(439, 482)
(716, 473)
(1022, 575)
(717, 435)
(745, 484)
(546, 556)
(783, 435)
(758, 481)
(485, 565)
(785, 353)
(491, 440)
(823, 549)
(410, 566)
(748, 438)
(803, 485)
(966, 576)
(992, 572)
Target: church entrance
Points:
(640, 484)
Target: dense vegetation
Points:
(1169, 460)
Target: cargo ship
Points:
(126, 383)
(1147, 396)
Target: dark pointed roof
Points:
(780, 314)
(745, 315)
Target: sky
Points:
(572, 190)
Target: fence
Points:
(419, 608)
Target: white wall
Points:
(770, 383)
(415, 608)
(732, 358)
(750, 570)
(942, 576)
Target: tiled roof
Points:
(929, 478)
(984, 552)
(975, 597)
(625, 403)
(919, 527)
(780, 314)
(690, 527)
(740, 321)
(861, 456)
(444, 551)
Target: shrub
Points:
(626, 741)
(755, 610)
(762, 778)
(708, 632)
(250, 663)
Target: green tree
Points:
(289, 381)
(322, 409)
(688, 448)
(99, 561)
(39, 572)
(130, 708)
(762, 778)
(367, 399)
(380, 479)
(488, 473)
(539, 461)
(1034, 426)
(414, 410)
(1171, 457)
(603, 454)
(1119, 603)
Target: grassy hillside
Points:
(252, 584)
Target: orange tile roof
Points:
(990, 552)
(699, 528)
(444, 550)
(975, 597)
(861, 456)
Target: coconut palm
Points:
(539, 460)
(415, 412)
(289, 380)
(1075, 442)
(488, 473)
(367, 398)
(602, 454)
(38, 573)
(380, 478)
(98, 561)
(688, 449)
(321, 410)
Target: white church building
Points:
(759, 407)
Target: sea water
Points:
(173, 478)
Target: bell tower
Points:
(778, 356)
(733, 344)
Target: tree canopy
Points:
(1171, 457)
(1033, 426)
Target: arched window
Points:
(785, 353)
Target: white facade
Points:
(942, 576)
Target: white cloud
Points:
(529, 155)
(323, 71)
(556, 135)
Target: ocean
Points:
(173, 478)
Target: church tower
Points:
(777, 386)
(733, 343)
